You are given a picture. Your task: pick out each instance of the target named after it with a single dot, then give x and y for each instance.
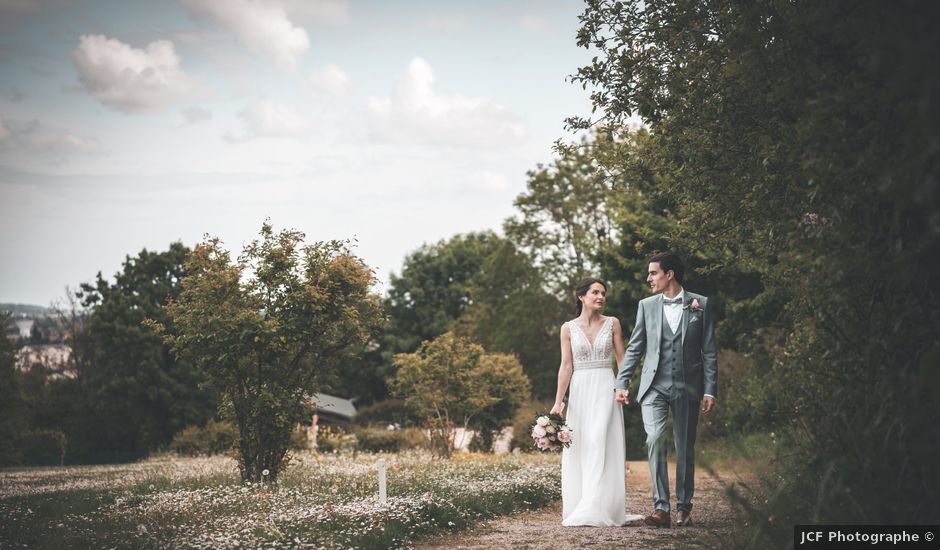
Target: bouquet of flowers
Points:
(551, 433)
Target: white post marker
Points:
(383, 497)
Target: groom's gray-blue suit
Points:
(680, 367)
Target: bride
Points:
(592, 468)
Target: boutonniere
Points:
(693, 306)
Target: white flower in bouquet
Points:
(550, 433)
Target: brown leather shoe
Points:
(683, 518)
(659, 518)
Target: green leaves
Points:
(452, 382)
(266, 329)
(765, 119)
(135, 395)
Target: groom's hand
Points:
(708, 402)
(622, 397)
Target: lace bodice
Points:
(586, 355)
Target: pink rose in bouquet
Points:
(550, 433)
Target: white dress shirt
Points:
(673, 312)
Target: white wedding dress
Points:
(593, 488)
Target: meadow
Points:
(319, 501)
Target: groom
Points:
(675, 330)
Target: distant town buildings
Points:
(42, 340)
(54, 358)
(25, 327)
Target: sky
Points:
(133, 124)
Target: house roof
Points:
(336, 406)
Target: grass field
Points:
(320, 501)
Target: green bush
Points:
(298, 439)
(333, 439)
(377, 440)
(749, 397)
(383, 413)
(43, 448)
(216, 437)
(392, 441)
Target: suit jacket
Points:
(699, 373)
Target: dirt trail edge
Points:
(712, 518)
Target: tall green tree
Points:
(799, 135)
(433, 289)
(511, 311)
(451, 382)
(423, 301)
(564, 219)
(265, 328)
(135, 394)
(12, 410)
(500, 376)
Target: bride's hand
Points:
(558, 408)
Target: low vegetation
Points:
(318, 501)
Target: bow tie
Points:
(677, 301)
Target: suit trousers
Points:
(655, 406)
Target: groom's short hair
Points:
(669, 261)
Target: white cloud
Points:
(269, 119)
(131, 79)
(61, 144)
(260, 26)
(489, 180)
(329, 80)
(28, 139)
(415, 113)
(196, 114)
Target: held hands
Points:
(622, 397)
(558, 408)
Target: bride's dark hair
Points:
(582, 289)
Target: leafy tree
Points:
(134, 394)
(433, 289)
(512, 312)
(362, 378)
(452, 382)
(478, 285)
(564, 221)
(798, 135)
(264, 329)
(501, 377)
(12, 415)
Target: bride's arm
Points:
(618, 342)
(564, 370)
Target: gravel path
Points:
(713, 519)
